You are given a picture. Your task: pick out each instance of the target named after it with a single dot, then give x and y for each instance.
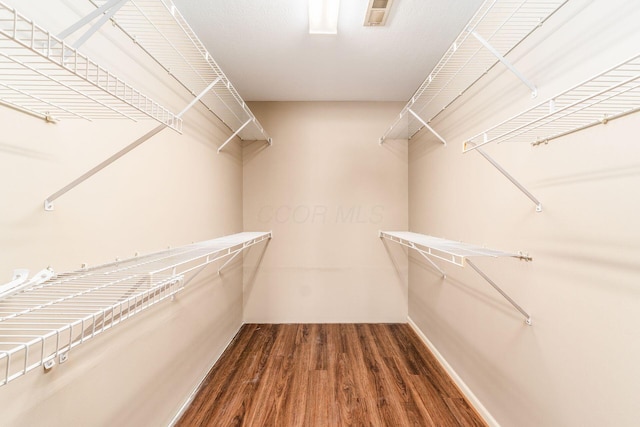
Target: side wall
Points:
(325, 188)
(578, 364)
(172, 190)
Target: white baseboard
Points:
(471, 397)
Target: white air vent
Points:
(377, 13)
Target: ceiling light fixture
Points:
(323, 16)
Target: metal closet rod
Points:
(610, 94)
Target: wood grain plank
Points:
(328, 375)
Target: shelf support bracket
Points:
(511, 178)
(497, 288)
(107, 11)
(193, 276)
(19, 277)
(427, 126)
(20, 281)
(238, 252)
(233, 135)
(507, 63)
(433, 264)
(48, 203)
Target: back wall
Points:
(325, 188)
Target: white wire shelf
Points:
(42, 75)
(158, 28)
(42, 321)
(497, 27)
(457, 253)
(607, 96)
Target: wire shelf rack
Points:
(607, 96)
(42, 75)
(497, 27)
(457, 253)
(41, 322)
(159, 29)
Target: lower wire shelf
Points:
(42, 320)
(457, 253)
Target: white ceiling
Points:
(265, 48)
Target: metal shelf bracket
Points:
(107, 11)
(510, 178)
(426, 125)
(497, 288)
(433, 264)
(234, 134)
(48, 203)
(506, 63)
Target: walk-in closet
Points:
(319, 213)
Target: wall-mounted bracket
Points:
(20, 281)
(238, 252)
(433, 264)
(507, 63)
(107, 11)
(234, 134)
(48, 203)
(497, 288)
(48, 365)
(19, 277)
(509, 177)
(425, 124)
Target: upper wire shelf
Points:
(457, 253)
(43, 319)
(159, 29)
(607, 96)
(42, 75)
(497, 27)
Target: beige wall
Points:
(325, 188)
(172, 190)
(578, 364)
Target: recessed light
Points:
(323, 16)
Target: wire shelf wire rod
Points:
(492, 33)
(65, 73)
(44, 322)
(162, 32)
(604, 97)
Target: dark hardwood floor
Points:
(328, 375)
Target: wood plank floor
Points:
(328, 375)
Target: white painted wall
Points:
(172, 190)
(325, 188)
(578, 364)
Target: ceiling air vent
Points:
(377, 13)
